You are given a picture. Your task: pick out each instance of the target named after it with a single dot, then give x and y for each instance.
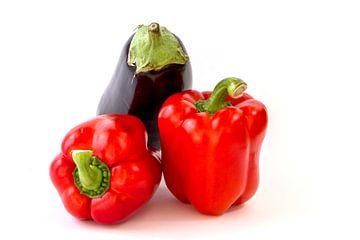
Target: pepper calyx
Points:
(91, 175)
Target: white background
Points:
(301, 58)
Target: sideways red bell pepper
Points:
(210, 145)
(105, 171)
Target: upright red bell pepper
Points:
(105, 171)
(210, 145)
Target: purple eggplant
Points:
(153, 65)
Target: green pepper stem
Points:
(90, 176)
(233, 87)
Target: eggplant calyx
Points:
(153, 47)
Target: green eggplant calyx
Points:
(153, 47)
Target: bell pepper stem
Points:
(91, 176)
(233, 87)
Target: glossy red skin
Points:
(211, 161)
(120, 142)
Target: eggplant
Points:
(152, 66)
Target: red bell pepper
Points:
(210, 146)
(105, 171)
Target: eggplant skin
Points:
(143, 94)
